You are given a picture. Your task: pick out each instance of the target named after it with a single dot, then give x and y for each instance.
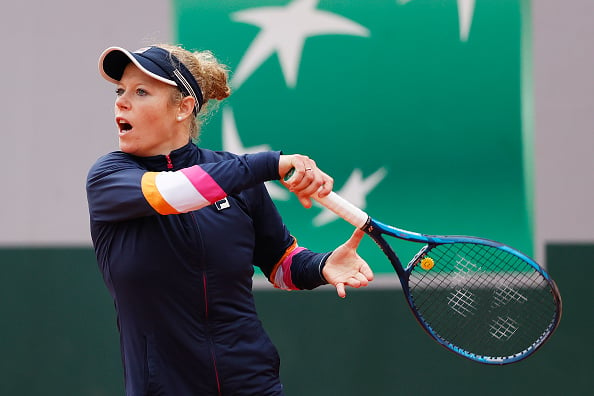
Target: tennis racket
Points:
(478, 298)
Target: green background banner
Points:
(418, 124)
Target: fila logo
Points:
(222, 204)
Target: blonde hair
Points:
(211, 75)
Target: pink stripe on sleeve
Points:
(204, 183)
(286, 267)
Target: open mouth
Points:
(123, 125)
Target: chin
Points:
(127, 148)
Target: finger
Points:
(306, 168)
(305, 181)
(366, 271)
(363, 281)
(305, 201)
(353, 282)
(303, 185)
(307, 171)
(308, 187)
(340, 290)
(291, 178)
(312, 175)
(290, 164)
(326, 187)
(296, 175)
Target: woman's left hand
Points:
(345, 267)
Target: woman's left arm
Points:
(292, 267)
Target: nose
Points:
(122, 102)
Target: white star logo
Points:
(465, 15)
(232, 143)
(284, 31)
(355, 190)
(231, 140)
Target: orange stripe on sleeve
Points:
(282, 259)
(153, 196)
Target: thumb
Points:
(355, 239)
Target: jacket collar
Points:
(182, 157)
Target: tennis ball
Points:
(427, 263)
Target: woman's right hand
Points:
(307, 179)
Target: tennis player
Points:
(177, 230)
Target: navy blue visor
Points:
(155, 62)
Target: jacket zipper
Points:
(212, 349)
(205, 288)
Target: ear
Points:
(186, 107)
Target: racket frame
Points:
(376, 229)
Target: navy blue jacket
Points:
(182, 283)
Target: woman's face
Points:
(146, 116)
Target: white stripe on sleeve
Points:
(179, 192)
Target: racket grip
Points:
(340, 206)
(343, 208)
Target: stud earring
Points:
(179, 118)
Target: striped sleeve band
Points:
(281, 275)
(180, 191)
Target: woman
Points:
(177, 230)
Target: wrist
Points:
(321, 266)
(284, 165)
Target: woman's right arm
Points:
(119, 189)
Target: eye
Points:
(119, 91)
(141, 92)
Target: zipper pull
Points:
(169, 163)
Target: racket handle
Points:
(343, 208)
(339, 206)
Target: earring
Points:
(179, 118)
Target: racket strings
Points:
(483, 299)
